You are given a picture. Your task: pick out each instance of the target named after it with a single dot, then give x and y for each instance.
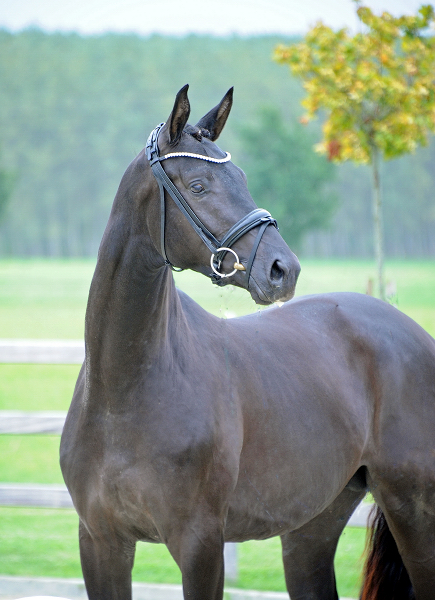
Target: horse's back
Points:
(349, 324)
(385, 349)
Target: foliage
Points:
(409, 208)
(7, 182)
(74, 111)
(378, 87)
(285, 176)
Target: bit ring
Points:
(219, 265)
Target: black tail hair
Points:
(385, 576)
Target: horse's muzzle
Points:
(276, 285)
(272, 280)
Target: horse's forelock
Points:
(197, 132)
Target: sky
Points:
(180, 17)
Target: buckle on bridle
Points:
(151, 146)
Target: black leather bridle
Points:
(218, 248)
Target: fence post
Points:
(230, 557)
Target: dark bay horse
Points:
(190, 430)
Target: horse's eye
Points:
(197, 188)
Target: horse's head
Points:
(205, 206)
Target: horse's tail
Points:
(385, 576)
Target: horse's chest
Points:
(140, 474)
(114, 492)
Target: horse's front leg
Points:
(106, 566)
(308, 552)
(198, 549)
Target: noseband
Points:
(218, 248)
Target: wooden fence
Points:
(41, 422)
(51, 422)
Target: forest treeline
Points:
(74, 111)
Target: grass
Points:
(43, 298)
(30, 459)
(29, 288)
(54, 288)
(37, 387)
(414, 282)
(47, 299)
(24, 532)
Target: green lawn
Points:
(30, 459)
(414, 282)
(47, 299)
(43, 298)
(52, 287)
(36, 542)
(36, 387)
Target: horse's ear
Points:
(179, 115)
(215, 120)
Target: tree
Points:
(70, 134)
(7, 180)
(286, 176)
(377, 88)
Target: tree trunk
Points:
(378, 223)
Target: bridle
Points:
(218, 248)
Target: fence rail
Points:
(57, 496)
(21, 422)
(54, 352)
(14, 422)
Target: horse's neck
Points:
(130, 309)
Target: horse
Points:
(191, 430)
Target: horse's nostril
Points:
(277, 272)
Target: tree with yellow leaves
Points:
(377, 88)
